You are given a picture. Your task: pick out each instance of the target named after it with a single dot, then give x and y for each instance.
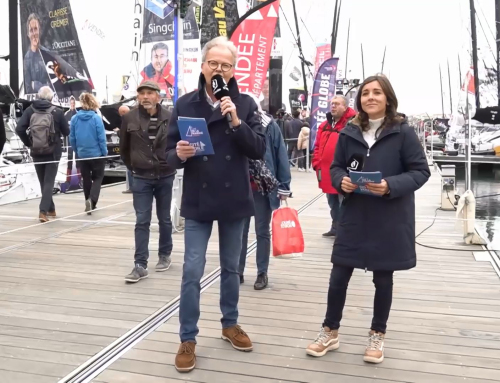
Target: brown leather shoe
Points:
(238, 338)
(42, 217)
(52, 214)
(185, 360)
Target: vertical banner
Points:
(323, 52)
(52, 52)
(253, 38)
(323, 92)
(218, 17)
(157, 61)
(153, 56)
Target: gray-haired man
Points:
(49, 152)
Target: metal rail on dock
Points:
(99, 362)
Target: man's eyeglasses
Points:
(214, 65)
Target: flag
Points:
(323, 52)
(323, 92)
(253, 38)
(218, 17)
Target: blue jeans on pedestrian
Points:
(144, 191)
(130, 179)
(196, 237)
(263, 215)
(334, 201)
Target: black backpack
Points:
(42, 132)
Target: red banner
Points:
(323, 53)
(253, 38)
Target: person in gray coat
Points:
(376, 232)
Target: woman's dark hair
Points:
(391, 113)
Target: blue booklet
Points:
(195, 131)
(363, 178)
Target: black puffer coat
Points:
(378, 233)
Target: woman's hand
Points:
(347, 186)
(379, 189)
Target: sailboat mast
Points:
(300, 51)
(497, 19)
(383, 60)
(441, 82)
(460, 71)
(363, 61)
(13, 47)
(474, 51)
(334, 32)
(449, 85)
(347, 48)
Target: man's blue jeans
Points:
(144, 191)
(263, 215)
(196, 237)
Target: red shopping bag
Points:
(288, 241)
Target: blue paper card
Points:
(195, 131)
(363, 178)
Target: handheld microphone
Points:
(220, 89)
(356, 162)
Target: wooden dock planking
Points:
(444, 325)
(62, 293)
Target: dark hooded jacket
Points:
(378, 233)
(60, 126)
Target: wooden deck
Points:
(63, 299)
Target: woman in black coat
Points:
(376, 231)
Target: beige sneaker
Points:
(374, 352)
(327, 340)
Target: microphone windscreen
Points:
(356, 162)
(219, 87)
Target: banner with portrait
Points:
(52, 51)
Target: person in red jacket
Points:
(324, 152)
(160, 70)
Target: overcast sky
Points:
(419, 35)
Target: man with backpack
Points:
(40, 128)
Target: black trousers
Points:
(46, 174)
(92, 175)
(339, 280)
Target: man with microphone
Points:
(216, 188)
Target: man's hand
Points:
(347, 186)
(227, 106)
(184, 150)
(379, 189)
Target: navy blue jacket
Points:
(87, 136)
(378, 233)
(217, 187)
(277, 162)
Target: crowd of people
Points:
(249, 175)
